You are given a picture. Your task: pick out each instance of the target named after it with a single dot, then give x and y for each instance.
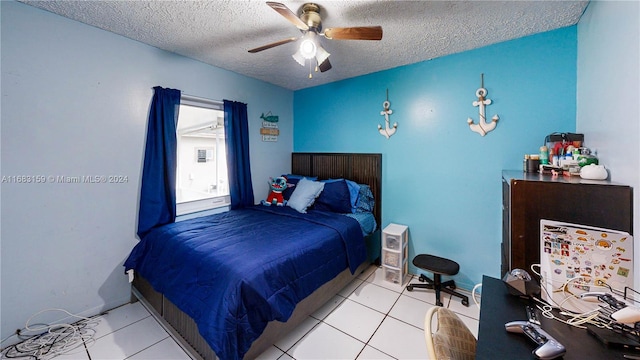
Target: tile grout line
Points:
(150, 346)
(378, 328)
(387, 314)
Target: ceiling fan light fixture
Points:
(299, 58)
(308, 47)
(321, 55)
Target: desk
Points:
(494, 342)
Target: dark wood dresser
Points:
(529, 197)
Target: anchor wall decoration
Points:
(482, 127)
(387, 131)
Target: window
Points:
(201, 181)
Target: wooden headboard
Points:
(361, 168)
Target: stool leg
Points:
(423, 278)
(450, 284)
(436, 286)
(465, 299)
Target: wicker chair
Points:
(452, 340)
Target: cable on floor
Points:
(51, 340)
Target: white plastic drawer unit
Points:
(395, 275)
(395, 258)
(392, 258)
(392, 242)
(394, 236)
(395, 252)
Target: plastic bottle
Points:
(544, 155)
(575, 154)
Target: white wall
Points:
(608, 94)
(75, 102)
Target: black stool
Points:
(438, 266)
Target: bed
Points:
(270, 285)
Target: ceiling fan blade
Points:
(326, 65)
(354, 33)
(273, 44)
(288, 14)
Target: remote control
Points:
(532, 315)
(548, 347)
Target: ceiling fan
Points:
(310, 24)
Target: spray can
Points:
(544, 155)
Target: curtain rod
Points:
(199, 99)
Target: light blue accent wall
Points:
(74, 102)
(440, 178)
(608, 94)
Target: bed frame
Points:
(362, 168)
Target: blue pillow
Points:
(354, 192)
(304, 194)
(334, 197)
(293, 179)
(366, 201)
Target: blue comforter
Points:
(236, 271)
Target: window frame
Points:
(215, 202)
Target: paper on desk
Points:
(576, 258)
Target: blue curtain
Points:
(158, 192)
(236, 128)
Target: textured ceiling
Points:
(220, 32)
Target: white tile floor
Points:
(369, 319)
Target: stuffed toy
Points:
(277, 185)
